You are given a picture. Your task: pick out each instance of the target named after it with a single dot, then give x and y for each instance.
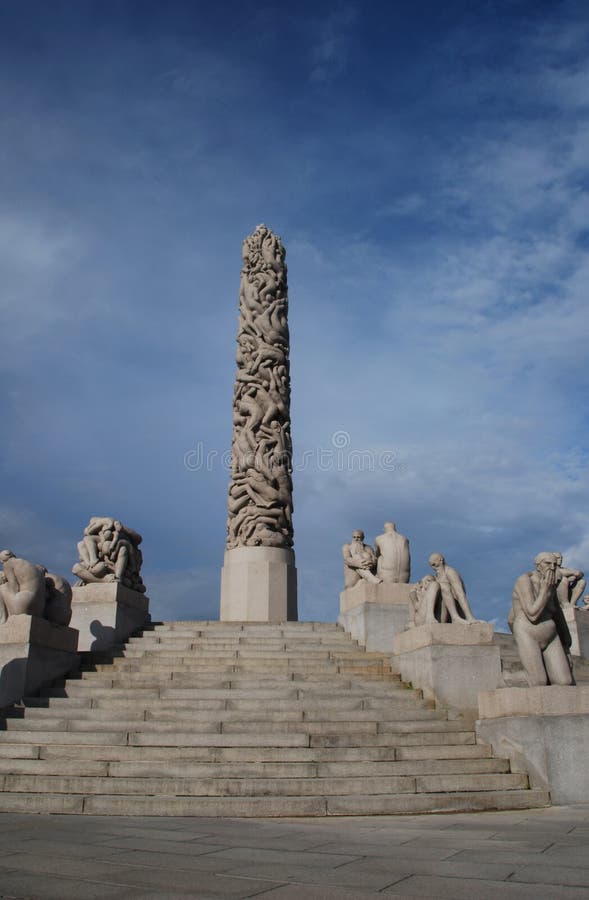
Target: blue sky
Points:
(426, 165)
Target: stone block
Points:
(374, 625)
(364, 592)
(554, 700)
(577, 618)
(544, 731)
(451, 663)
(106, 614)
(258, 584)
(33, 652)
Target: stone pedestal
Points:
(106, 614)
(545, 732)
(259, 584)
(374, 613)
(578, 621)
(33, 652)
(451, 663)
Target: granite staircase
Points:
(230, 719)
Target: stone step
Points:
(174, 739)
(252, 787)
(137, 712)
(261, 754)
(188, 769)
(239, 725)
(247, 807)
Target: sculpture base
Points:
(33, 652)
(388, 593)
(106, 614)
(545, 732)
(259, 584)
(577, 618)
(451, 663)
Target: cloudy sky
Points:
(427, 166)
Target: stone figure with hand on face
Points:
(452, 590)
(359, 561)
(537, 624)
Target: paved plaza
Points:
(534, 853)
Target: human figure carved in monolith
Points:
(359, 561)
(109, 552)
(393, 559)
(570, 583)
(260, 492)
(537, 624)
(452, 589)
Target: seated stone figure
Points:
(456, 606)
(538, 624)
(24, 588)
(28, 588)
(570, 583)
(359, 561)
(392, 555)
(109, 552)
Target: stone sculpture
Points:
(260, 492)
(538, 626)
(359, 561)
(109, 552)
(570, 583)
(29, 589)
(425, 602)
(392, 555)
(454, 606)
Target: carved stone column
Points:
(258, 581)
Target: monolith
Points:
(258, 581)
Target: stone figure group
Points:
(537, 622)
(390, 561)
(440, 597)
(260, 492)
(109, 552)
(28, 588)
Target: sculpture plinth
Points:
(106, 614)
(544, 731)
(258, 582)
(450, 662)
(33, 652)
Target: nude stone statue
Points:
(24, 589)
(536, 620)
(359, 561)
(452, 590)
(109, 552)
(27, 588)
(425, 602)
(393, 560)
(570, 583)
